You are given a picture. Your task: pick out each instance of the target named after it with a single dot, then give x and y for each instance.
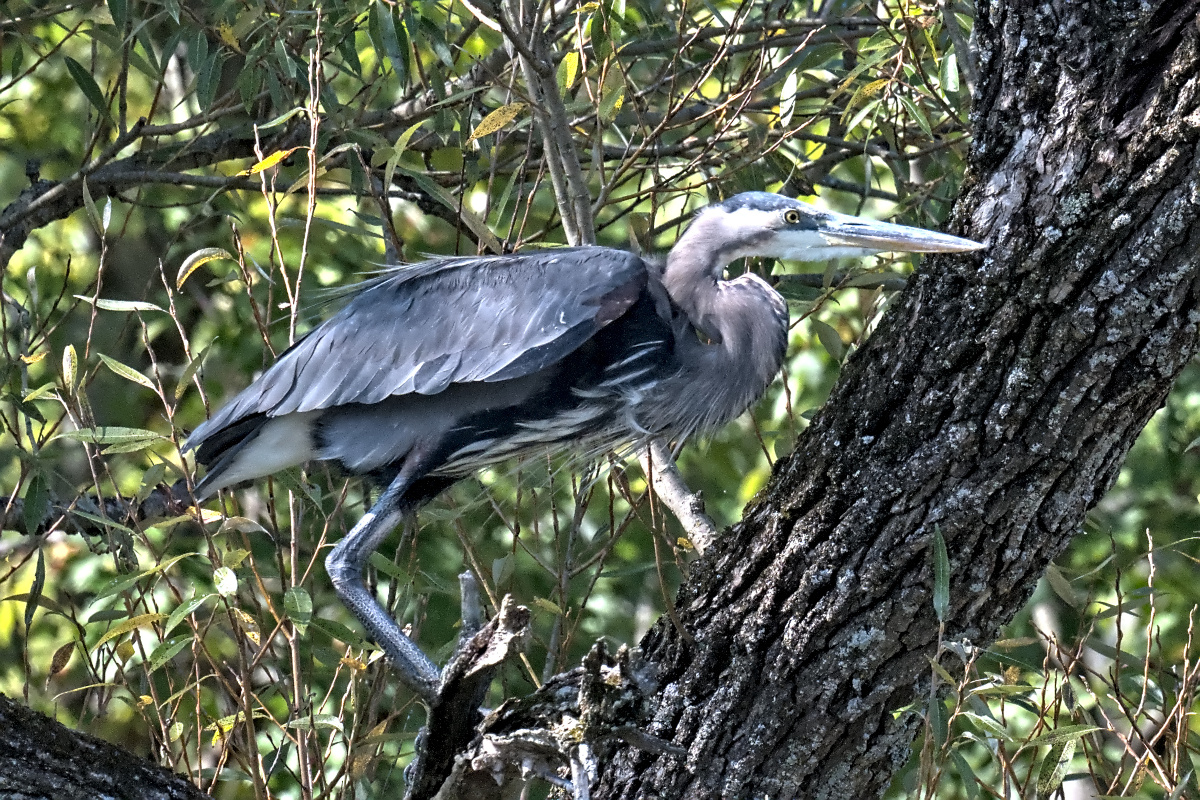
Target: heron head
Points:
(774, 226)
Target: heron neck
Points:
(729, 343)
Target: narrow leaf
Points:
(941, 575)
(62, 657)
(198, 259)
(90, 206)
(37, 502)
(166, 651)
(269, 161)
(90, 89)
(567, 72)
(316, 721)
(108, 435)
(496, 120)
(1054, 767)
(183, 610)
(1063, 733)
(128, 625)
(125, 581)
(126, 305)
(126, 372)
(830, 339)
(70, 365)
(189, 372)
(35, 591)
(787, 98)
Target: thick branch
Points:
(43, 760)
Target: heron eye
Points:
(791, 217)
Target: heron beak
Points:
(841, 230)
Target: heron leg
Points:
(345, 565)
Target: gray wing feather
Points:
(422, 328)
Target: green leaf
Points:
(37, 502)
(128, 625)
(89, 205)
(35, 591)
(298, 605)
(109, 435)
(1054, 767)
(1061, 586)
(381, 563)
(338, 631)
(830, 339)
(1063, 733)
(941, 575)
(990, 726)
(937, 722)
(166, 651)
(42, 601)
(189, 372)
(547, 605)
(950, 74)
(102, 521)
(787, 97)
(120, 13)
(184, 610)
(472, 220)
(126, 581)
(966, 774)
(916, 113)
(124, 305)
(383, 26)
(87, 84)
(128, 373)
(316, 721)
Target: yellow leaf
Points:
(496, 120)
(862, 95)
(247, 624)
(547, 605)
(70, 365)
(269, 161)
(124, 651)
(198, 259)
(127, 626)
(225, 31)
(36, 357)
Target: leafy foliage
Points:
(217, 167)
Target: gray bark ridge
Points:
(995, 402)
(42, 760)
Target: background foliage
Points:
(221, 166)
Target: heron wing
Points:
(419, 329)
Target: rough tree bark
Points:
(42, 760)
(996, 400)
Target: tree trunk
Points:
(995, 402)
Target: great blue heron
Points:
(434, 370)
